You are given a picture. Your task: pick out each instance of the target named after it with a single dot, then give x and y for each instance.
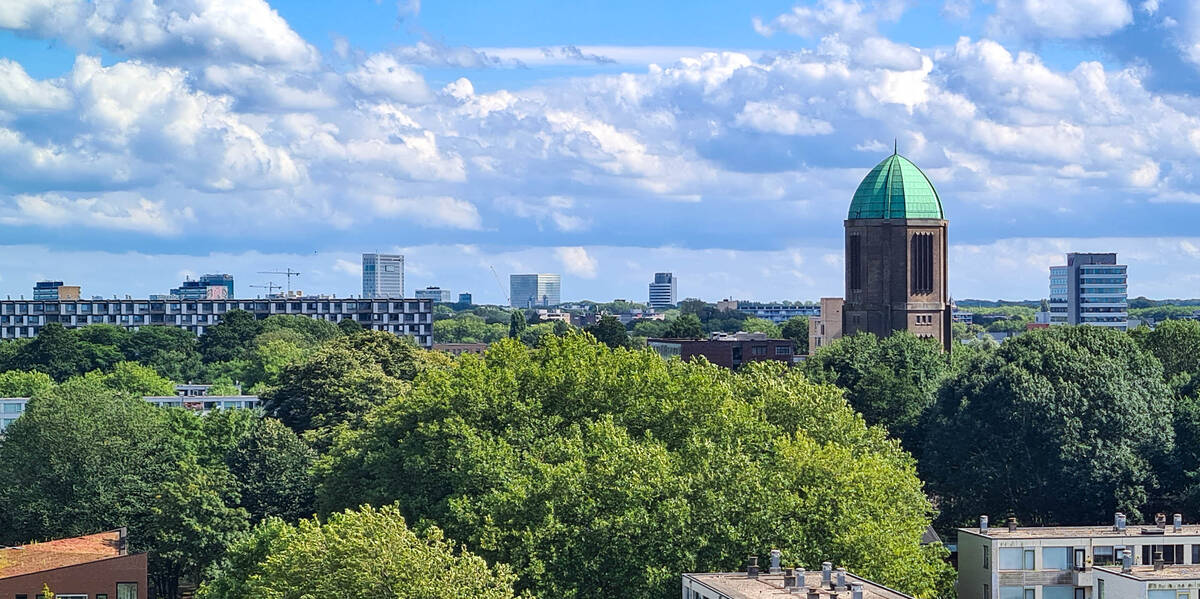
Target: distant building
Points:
(778, 313)
(97, 565)
(730, 350)
(212, 286)
(185, 397)
(962, 316)
(827, 326)
(458, 349)
(532, 291)
(553, 316)
(54, 290)
(1112, 561)
(776, 582)
(662, 290)
(25, 318)
(437, 294)
(382, 276)
(464, 299)
(896, 274)
(1091, 289)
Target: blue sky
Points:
(144, 142)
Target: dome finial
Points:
(895, 146)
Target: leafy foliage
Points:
(610, 332)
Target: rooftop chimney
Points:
(123, 541)
(841, 579)
(826, 573)
(775, 557)
(1178, 521)
(983, 522)
(800, 577)
(1012, 525)
(752, 566)
(1160, 520)
(1127, 561)
(856, 591)
(1119, 522)
(789, 579)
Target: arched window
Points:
(854, 264)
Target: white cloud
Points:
(1060, 19)
(114, 212)
(434, 212)
(576, 261)
(20, 92)
(383, 75)
(770, 118)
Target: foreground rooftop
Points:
(737, 585)
(38, 557)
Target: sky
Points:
(145, 141)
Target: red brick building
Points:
(89, 567)
(728, 350)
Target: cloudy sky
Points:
(142, 141)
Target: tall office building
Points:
(896, 276)
(1090, 289)
(54, 290)
(382, 275)
(528, 291)
(662, 290)
(437, 294)
(212, 286)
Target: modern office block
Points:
(382, 276)
(436, 294)
(25, 318)
(212, 286)
(54, 290)
(530, 291)
(1090, 289)
(662, 290)
(465, 299)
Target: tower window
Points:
(855, 262)
(921, 263)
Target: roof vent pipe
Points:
(856, 591)
(1178, 521)
(1127, 561)
(841, 579)
(1012, 525)
(826, 573)
(983, 522)
(775, 558)
(789, 579)
(1160, 520)
(800, 578)
(1120, 522)
(752, 566)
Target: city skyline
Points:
(292, 134)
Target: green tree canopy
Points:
(516, 324)
(609, 331)
(761, 325)
(891, 381)
(796, 329)
(687, 326)
(361, 554)
(467, 328)
(1056, 426)
(600, 473)
(1176, 344)
(229, 339)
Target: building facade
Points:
(25, 318)
(53, 290)
(382, 276)
(778, 313)
(95, 566)
(1090, 289)
(465, 299)
(1070, 562)
(896, 244)
(211, 286)
(532, 291)
(730, 350)
(435, 294)
(662, 290)
(827, 326)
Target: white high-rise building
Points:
(1091, 289)
(529, 291)
(382, 276)
(662, 290)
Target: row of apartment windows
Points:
(1102, 271)
(203, 307)
(1116, 299)
(1091, 281)
(1060, 558)
(1048, 592)
(1102, 290)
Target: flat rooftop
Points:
(1131, 531)
(736, 585)
(1169, 572)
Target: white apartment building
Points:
(662, 290)
(779, 583)
(382, 276)
(12, 407)
(1069, 562)
(1091, 289)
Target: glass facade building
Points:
(662, 290)
(382, 276)
(1090, 289)
(530, 291)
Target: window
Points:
(1160, 595)
(921, 263)
(855, 262)
(101, 595)
(1058, 592)
(1170, 554)
(758, 350)
(1010, 558)
(783, 350)
(1028, 561)
(1056, 558)
(987, 561)
(987, 589)
(71, 596)
(1196, 554)
(1012, 592)
(127, 590)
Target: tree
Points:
(169, 350)
(1176, 344)
(891, 381)
(312, 331)
(597, 473)
(467, 328)
(230, 338)
(796, 329)
(1078, 409)
(516, 324)
(686, 326)
(273, 468)
(16, 383)
(360, 554)
(137, 380)
(63, 353)
(650, 328)
(761, 325)
(610, 332)
(349, 326)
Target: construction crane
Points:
(270, 287)
(289, 273)
(504, 294)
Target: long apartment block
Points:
(25, 318)
(1118, 561)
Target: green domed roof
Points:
(896, 188)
